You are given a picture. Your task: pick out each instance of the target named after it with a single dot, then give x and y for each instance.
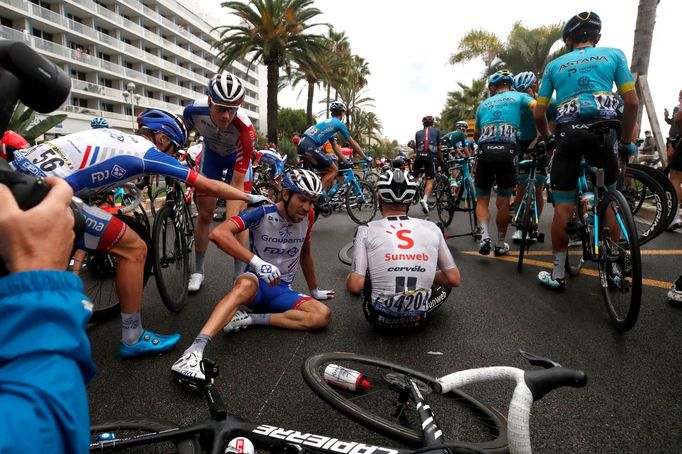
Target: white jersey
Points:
(401, 254)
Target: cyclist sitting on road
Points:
(228, 145)
(427, 149)
(407, 259)
(525, 82)
(310, 146)
(281, 235)
(94, 160)
(498, 119)
(583, 79)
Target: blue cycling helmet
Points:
(273, 159)
(164, 122)
(583, 23)
(302, 181)
(500, 77)
(99, 122)
(523, 81)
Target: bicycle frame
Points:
(529, 193)
(349, 181)
(464, 167)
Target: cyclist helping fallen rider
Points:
(310, 146)
(407, 258)
(94, 160)
(280, 236)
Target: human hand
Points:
(40, 238)
(322, 295)
(266, 271)
(666, 114)
(252, 199)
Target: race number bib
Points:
(409, 303)
(499, 132)
(607, 104)
(568, 110)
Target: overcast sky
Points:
(408, 43)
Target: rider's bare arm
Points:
(630, 105)
(219, 189)
(224, 236)
(448, 278)
(356, 148)
(308, 265)
(541, 120)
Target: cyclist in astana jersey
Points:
(583, 79)
(280, 237)
(455, 143)
(314, 138)
(407, 259)
(228, 140)
(498, 120)
(427, 150)
(94, 160)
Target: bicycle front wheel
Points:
(171, 260)
(620, 266)
(388, 410)
(647, 201)
(346, 253)
(128, 428)
(445, 203)
(361, 203)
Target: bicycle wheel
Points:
(125, 428)
(361, 203)
(372, 178)
(386, 410)
(647, 201)
(620, 266)
(98, 273)
(670, 201)
(445, 202)
(346, 253)
(171, 260)
(268, 190)
(433, 200)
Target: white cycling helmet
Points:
(523, 81)
(226, 89)
(396, 186)
(302, 181)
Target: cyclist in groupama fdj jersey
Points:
(228, 145)
(583, 80)
(314, 138)
(407, 259)
(94, 160)
(498, 119)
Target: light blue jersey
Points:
(498, 118)
(583, 80)
(325, 130)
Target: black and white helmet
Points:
(303, 182)
(337, 106)
(396, 186)
(226, 89)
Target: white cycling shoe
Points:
(188, 367)
(240, 319)
(195, 281)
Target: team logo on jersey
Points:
(286, 232)
(403, 235)
(584, 81)
(596, 58)
(118, 171)
(292, 252)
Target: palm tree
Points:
(477, 43)
(372, 128)
(339, 50)
(641, 50)
(273, 32)
(462, 105)
(22, 118)
(354, 98)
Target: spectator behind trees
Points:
(45, 359)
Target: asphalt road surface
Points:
(632, 402)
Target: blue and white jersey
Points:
(583, 80)
(325, 130)
(498, 118)
(97, 159)
(274, 239)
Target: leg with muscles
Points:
(502, 220)
(556, 280)
(205, 205)
(308, 315)
(483, 216)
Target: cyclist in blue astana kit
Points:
(498, 120)
(280, 237)
(228, 145)
(427, 149)
(92, 161)
(583, 79)
(310, 146)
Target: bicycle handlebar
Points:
(530, 386)
(133, 189)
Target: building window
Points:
(106, 82)
(128, 65)
(74, 18)
(150, 94)
(103, 56)
(167, 98)
(41, 34)
(42, 4)
(148, 72)
(79, 102)
(80, 75)
(166, 78)
(107, 107)
(102, 30)
(128, 111)
(6, 22)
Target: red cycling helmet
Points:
(14, 140)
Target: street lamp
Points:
(134, 98)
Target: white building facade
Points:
(127, 55)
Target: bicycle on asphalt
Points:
(617, 254)
(526, 216)
(421, 411)
(460, 197)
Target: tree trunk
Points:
(641, 50)
(309, 107)
(329, 89)
(273, 121)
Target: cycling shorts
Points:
(378, 320)
(676, 161)
(103, 230)
(277, 299)
(573, 142)
(496, 162)
(308, 150)
(424, 160)
(213, 166)
(540, 170)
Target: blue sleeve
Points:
(187, 113)
(342, 128)
(546, 86)
(45, 361)
(252, 216)
(157, 162)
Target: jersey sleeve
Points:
(251, 217)
(157, 162)
(477, 126)
(528, 101)
(546, 87)
(187, 116)
(342, 128)
(624, 80)
(247, 137)
(445, 259)
(360, 261)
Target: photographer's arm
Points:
(45, 359)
